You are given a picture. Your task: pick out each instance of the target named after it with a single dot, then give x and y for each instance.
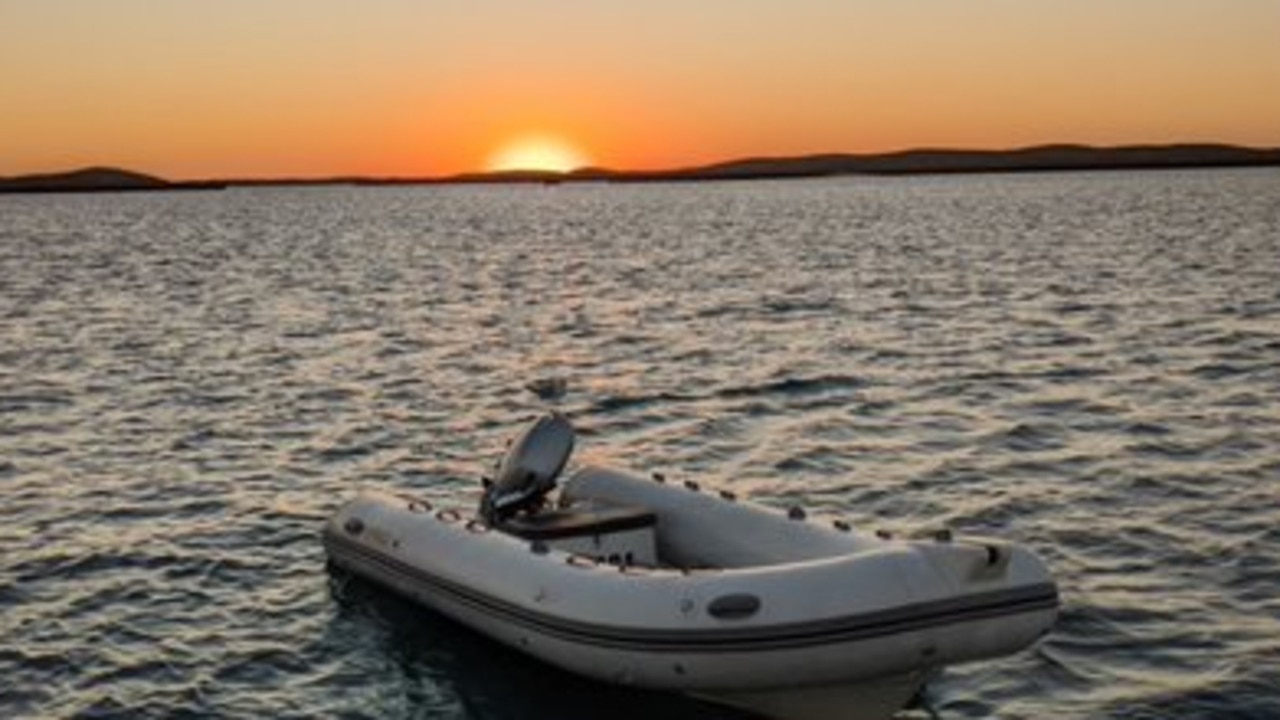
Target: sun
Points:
(537, 152)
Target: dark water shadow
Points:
(492, 681)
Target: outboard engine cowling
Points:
(530, 468)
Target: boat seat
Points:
(615, 534)
(578, 522)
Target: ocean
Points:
(1087, 363)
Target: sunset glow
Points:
(427, 88)
(537, 153)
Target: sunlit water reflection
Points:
(190, 382)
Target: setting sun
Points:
(539, 152)
(433, 89)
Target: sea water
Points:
(190, 382)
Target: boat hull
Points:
(786, 640)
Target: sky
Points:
(189, 89)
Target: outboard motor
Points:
(530, 468)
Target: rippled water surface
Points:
(190, 382)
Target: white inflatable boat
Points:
(643, 582)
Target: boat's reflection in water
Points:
(447, 664)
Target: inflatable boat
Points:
(662, 585)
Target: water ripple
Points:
(190, 383)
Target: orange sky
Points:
(188, 89)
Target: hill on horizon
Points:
(87, 179)
(1037, 158)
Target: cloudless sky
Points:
(193, 89)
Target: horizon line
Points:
(918, 160)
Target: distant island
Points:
(1045, 158)
(96, 179)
